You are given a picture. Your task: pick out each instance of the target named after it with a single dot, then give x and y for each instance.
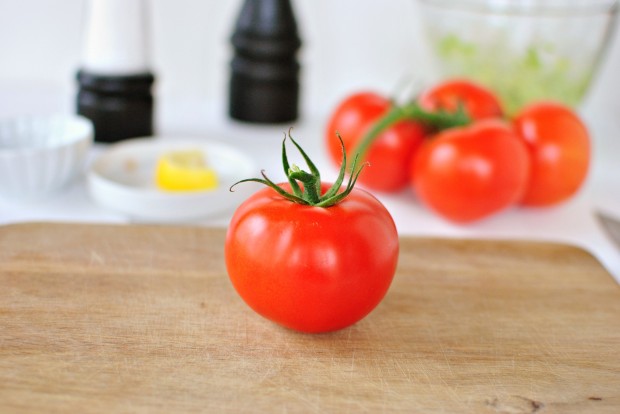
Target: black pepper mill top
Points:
(264, 83)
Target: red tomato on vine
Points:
(468, 173)
(559, 145)
(391, 152)
(453, 95)
(311, 256)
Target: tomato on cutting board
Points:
(310, 256)
(559, 144)
(468, 173)
(390, 155)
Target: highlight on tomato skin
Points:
(560, 148)
(305, 262)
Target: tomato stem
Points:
(433, 121)
(310, 192)
(309, 180)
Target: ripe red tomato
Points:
(478, 101)
(389, 155)
(309, 268)
(560, 147)
(468, 173)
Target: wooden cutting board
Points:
(136, 319)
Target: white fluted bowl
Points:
(39, 155)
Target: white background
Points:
(348, 44)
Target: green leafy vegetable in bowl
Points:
(523, 50)
(536, 73)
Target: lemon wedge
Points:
(184, 170)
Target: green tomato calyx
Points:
(306, 186)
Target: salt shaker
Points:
(264, 81)
(115, 79)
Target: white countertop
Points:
(572, 222)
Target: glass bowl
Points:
(525, 50)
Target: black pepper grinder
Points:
(115, 79)
(264, 82)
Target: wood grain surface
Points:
(130, 319)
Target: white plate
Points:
(123, 179)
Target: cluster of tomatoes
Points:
(463, 156)
(318, 257)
